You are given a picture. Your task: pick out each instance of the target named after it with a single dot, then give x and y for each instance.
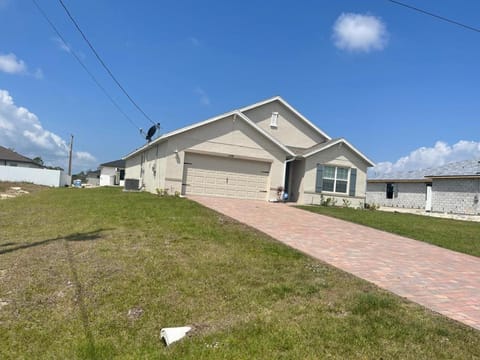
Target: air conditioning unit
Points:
(131, 184)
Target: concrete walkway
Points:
(442, 280)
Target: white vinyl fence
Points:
(55, 178)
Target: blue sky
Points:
(401, 86)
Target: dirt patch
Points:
(10, 190)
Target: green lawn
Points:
(457, 235)
(73, 262)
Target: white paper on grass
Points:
(170, 335)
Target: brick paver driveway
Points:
(442, 280)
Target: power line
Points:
(74, 54)
(103, 63)
(435, 15)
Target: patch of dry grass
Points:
(5, 186)
(97, 273)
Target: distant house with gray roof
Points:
(451, 188)
(11, 158)
(18, 168)
(112, 173)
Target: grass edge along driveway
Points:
(456, 235)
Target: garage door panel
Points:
(220, 176)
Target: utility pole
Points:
(70, 156)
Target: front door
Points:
(428, 198)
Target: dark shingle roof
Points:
(9, 155)
(116, 164)
(93, 174)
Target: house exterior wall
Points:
(458, 196)
(93, 181)
(108, 171)
(37, 176)
(227, 137)
(107, 176)
(152, 177)
(20, 164)
(290, 130)
(337, 155)
(133, 167)
(411, 195)
(106, 180)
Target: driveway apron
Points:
(442, 280)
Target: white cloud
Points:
(357, 32)
(38, 74)
(67, 47)
(441, 153)
(21, 130)
(11, 65)
(204, 99)
(194, 41)
(61, 45)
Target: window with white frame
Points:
(335, 179)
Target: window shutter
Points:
(353, 181)
(319, 182)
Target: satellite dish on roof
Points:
(152, 131)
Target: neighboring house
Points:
(251, 153)
(11, 158)
(112, 173)
(452, 188)
(93, 178)
(18, 168)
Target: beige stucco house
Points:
(250, 153)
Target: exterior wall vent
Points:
(274, 120)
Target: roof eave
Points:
(426, 180)
(472, 176)
(178, 131)
(355, 150)
(289, 107)
(206, 122)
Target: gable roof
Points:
(289, 107)
(456, 169)
(10, 155)
(206, 122)
(264, 133)
(328, 144)
(115, 163)
(466, 168)
(294, 152)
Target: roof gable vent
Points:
(274, 120)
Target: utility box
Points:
(131, 184)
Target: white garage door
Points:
(228, 177)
